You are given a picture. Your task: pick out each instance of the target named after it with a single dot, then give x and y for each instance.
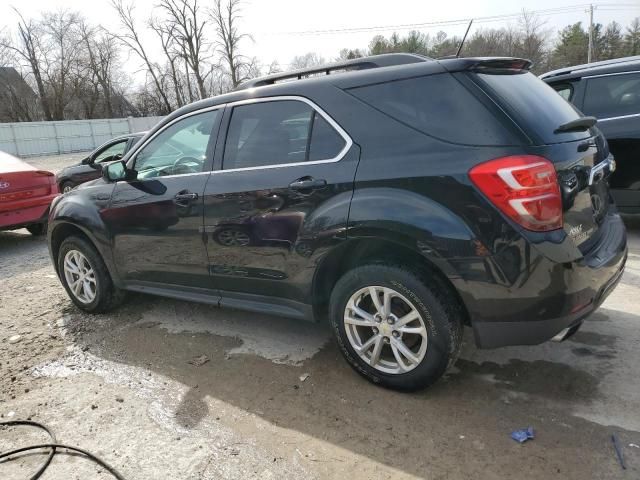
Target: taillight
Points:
(523, 187)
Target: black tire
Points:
(108, 296)
(37, 229)
(66, 185)
(430, 297)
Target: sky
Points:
(277, 26)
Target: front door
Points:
(156, 219)
(279, 197)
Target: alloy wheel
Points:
(385, 329)
(80, 276)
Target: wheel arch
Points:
(62, 230)
(361, 251)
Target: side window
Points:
(180, 148)
(612, 95)
(565, 90)
(437, 105)
(277, 133)
(109, 152)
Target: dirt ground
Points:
(125, 387)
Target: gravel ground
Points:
(54, 163)
(131, 387)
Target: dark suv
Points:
(610, 91)
(399, 196)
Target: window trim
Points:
(137, 148)
(611, 74)
(340, 155)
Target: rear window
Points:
(439, 106)
(535, 106)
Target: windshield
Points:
(534, 105)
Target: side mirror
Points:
(87, 161)
(113, 172)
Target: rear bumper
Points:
(548, 296)
(34, 212)
(534, 332)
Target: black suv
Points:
(399, 196)
(610, 91)
(90, 167)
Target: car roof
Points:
(604, 67)
(11, 164)
(348, 74)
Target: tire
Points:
(106, 295)
(66, 186)
(440, 320)
(37, 229)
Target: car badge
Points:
(4, 185)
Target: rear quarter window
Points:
(439, 106)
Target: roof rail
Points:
(587, 66)
(363, 63)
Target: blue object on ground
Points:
(523, 435)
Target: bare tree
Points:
(28, 48)
(532, 38)
(130, 38)
(187, 29)
(226, 15)
(101, 53)
(308, 60)
(166, 36)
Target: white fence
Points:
(26, 139)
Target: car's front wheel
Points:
(85, 276)
(395, 327)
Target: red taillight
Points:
(523, 187)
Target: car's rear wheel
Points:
(85, 276)
(66, 187)
(37, 229)
(394, 326)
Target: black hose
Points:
(53, 446)
(43, 467)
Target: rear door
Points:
(279, 196)
(581, 157)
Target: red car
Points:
(25, 195)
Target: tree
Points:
(130, 38)
(186, 26)
(101, 60)
(166, 36)
(572, 46)
(228, 39)
(611, 45)
(29, 49)
(349, 54)
(308, 60)
(632, 38)
(530, 40)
